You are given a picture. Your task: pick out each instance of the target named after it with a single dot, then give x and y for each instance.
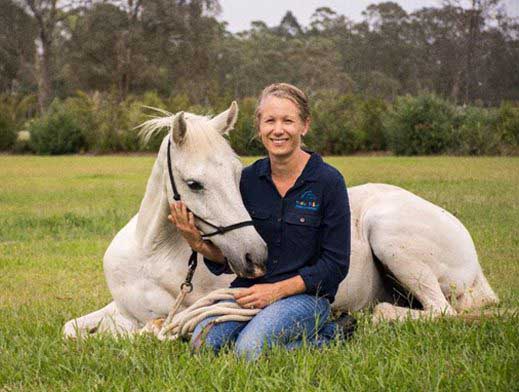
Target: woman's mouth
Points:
(279, 142)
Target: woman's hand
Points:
(258, 296)
(185, 223)
(262, 295)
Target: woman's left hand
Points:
(258, 296)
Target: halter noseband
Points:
(218, 229)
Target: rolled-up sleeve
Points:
(217, 268)
(332, 265)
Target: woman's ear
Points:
(306, 128)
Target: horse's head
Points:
(207, 173)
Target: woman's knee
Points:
(213, 336)
(288, 320)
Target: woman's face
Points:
(280, 126)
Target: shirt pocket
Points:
(302, 232)
(262, 222)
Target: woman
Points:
(300, 207)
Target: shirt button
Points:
(279, 219)
(302, 220)
(275, 261)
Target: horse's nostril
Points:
(248, 258)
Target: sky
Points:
(239, 13)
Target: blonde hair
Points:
(287, 91)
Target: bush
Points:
(420, 125)
(507, 125)
(476, 134)
(7, 133)
(243, 138)
(58, 132)
(14, 111)
(369, 124)
(333, 125)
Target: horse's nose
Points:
(255, 269)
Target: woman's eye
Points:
(194, 185)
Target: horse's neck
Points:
(154, 231)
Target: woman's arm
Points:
(262, 295)
(324, 276)
(185, 223)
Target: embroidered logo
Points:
(307, 201)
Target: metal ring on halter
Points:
(187, 285)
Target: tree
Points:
(289, 26)
(47, 15)
(17, 49)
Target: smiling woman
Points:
(299, 206)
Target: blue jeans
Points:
(288, 322)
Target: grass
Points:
(58, 215)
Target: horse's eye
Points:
(194, 185)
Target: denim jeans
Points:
(288, 322)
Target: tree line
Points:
(121, 50)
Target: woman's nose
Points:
(278, 127)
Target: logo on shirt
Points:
(307, 201)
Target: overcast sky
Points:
(239, 13)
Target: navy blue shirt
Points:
(307, 232)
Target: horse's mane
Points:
(200, 137)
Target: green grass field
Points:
(58, 215)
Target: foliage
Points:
(508, 125)
(15, 109)
(341, 124)
(420, 125)
(179, 47)
(58, 132)
(7, 133)
(244, 138)
(476, 134)
(333, 130)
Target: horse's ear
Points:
(224, 122)
(179, 128)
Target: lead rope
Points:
(182, 324)
(185, 288)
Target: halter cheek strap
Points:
(176, 196)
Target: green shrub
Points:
(333, 125)
(58, 132)
(419, 125)
(7, 133)
(507, 125)
(369, 124)
(83, 108)
(14, 111)
(476, 133)
(243, 138)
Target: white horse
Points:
(425, 249)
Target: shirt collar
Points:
(310, 172)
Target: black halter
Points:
(218, 229)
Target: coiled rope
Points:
(182, 324)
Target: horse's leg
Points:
(412, 273)
(107, 319)
(478, 295)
